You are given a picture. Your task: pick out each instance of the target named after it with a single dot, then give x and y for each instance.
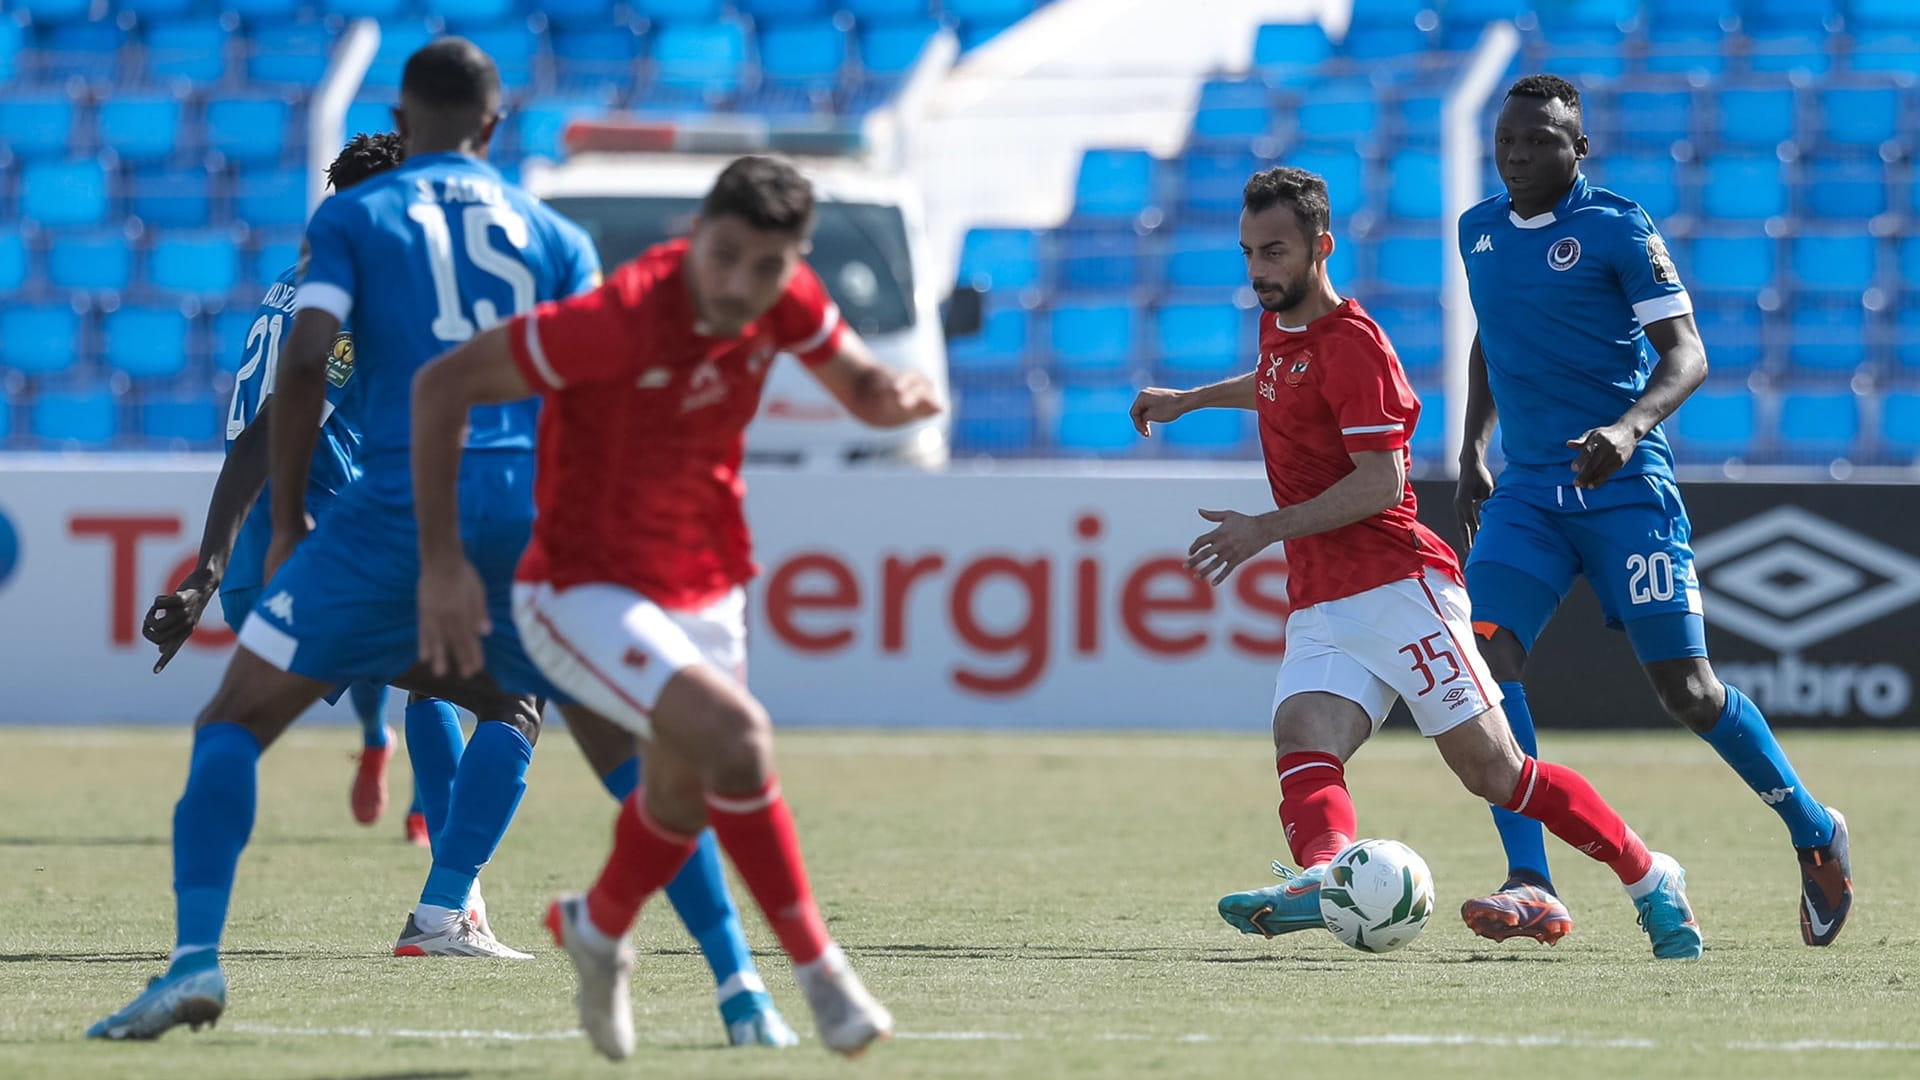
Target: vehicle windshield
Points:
(859, 249)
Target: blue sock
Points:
(211, 823)
(1525, 841)
(370, 705)
(486, 792)
(699, 896)
(1744, 741)
(434, 746)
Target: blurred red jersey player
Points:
(630, 593)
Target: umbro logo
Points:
(280, 606)
(1485, 244)
(1776, 796)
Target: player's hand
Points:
(1157, 405)
(280, 548)
(1476, 484)
(1237, 538)
(912, 398)
(171, 619)
(1602, 451)
(453, 617)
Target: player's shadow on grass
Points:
(1162, 953)
(321, 840)
(438, 1074)
(148, 956)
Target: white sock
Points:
(594, 937)
(1649, 883)
(741, 982)
(830, 960)
(432, 918)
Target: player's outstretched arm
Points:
(1378, 481)
(453, 602)
(1681, 370)
(876, 395)
(1158, 405)
(172, 618)
(300, 395)
(1476, 480)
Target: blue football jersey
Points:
(1562, 299)
(422, 258)
(333, 455)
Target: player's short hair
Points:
(452, 73)
(1306, 192)
(767, 193)
(365, 156)
(1547, 88)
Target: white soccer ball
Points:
(1377, 895)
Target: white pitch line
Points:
(1410, 1039)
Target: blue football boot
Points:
(1666, 916)
(1292, 905)
(193, 998)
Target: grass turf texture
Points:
(1028, 906)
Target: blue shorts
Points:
(343, 608)
(1629, 539)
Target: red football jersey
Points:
(644, 426)
(1326, 391)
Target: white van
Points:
(632, 184)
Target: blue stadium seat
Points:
(1093, 420)
(179, 199)
(1653, 119)
(891, 49)
(1906, 334)
(466, 13)
(1413, 185)
(1882, 15)
(371, 117)
(1714, 424)
(572, 13)
(868, 10)
(369, 9)
(98, 260)
(1428, 445)
(58, 11)
(1755, 117)
(1288, 54)
(1792, 52)
(190, 419)
(1411, 260)
(1827, 333)
(141, 127)
(1863, 117)
(1740, 261)
(398, 40)
(596, 54)
(1203, 335)
(1846, 188)
(36, 125)
(1900, 423)
(1377, 29)
(542, 125)
(1894, 52)
(803, 55)
(82, 50)
(11, 39)
(1733, 328)
(1909, 260)
(990, 420)
(15, 263)
(88, 419)
(1114, 184)
(774, 10)
(288, 53)
(1210, 433)
(58, 193)
(1233, 110)
(1416, 120)
(1098, 259)
(1461, 21)
(1819, 425)
(1651, 180)
(267, 198)
(1693, 53)
(1091, 337)
(230, 329)
(706, 59)
(512, 45)
(1743, 188)
(1002, 260)
(999, 349)
(39, 339)
(250, 130)
(681, 10)
(274, 254)
(977, 32)
(1806, 16)
(1343, 266)
(1345, 174)
(1206, 259)
(1611, 15)
(1339, 111)
(1587, 54)
(1833, 261)
(197, 264)
(194, 50)
(147, 342)
(1414, 326)
(1211, 181)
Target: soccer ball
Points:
(1377, 895)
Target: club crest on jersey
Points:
(340, 360)
(1297, 368)
(1564, 253)
(1660, 261)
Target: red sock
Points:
(646, 855)
(758, 835)
(1315, 807)
(1563, 801)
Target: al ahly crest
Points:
(1297, 367)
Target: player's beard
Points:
(1283, 297)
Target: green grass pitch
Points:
(1028, 906)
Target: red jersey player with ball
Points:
(629, 595)
(1379, 606)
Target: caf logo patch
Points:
(1564, 253)
(1660, 261)
(340, 360)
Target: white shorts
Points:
(613, 650)
(1410, 639)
